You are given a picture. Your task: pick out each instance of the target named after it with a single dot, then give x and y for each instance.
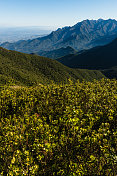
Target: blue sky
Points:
(57, 13)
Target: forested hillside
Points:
(103, 57)
(26, 69)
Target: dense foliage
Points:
(67, 130)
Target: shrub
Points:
(67, 129)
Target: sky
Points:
(55, 13)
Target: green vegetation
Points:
(66, 129)
(26, 69)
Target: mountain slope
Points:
(103, 57)
(26, 69)
(54, 54)
(83, 35)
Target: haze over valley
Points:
(13, 34)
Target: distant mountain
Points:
(54, 54)
(83, 35)
(103, 58)
(26, 69)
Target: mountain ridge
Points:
(83, 35)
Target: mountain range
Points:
(84, 35)
(97, 58)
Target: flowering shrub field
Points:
(67, 129)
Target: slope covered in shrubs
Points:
(68, 129)
(27, 69)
